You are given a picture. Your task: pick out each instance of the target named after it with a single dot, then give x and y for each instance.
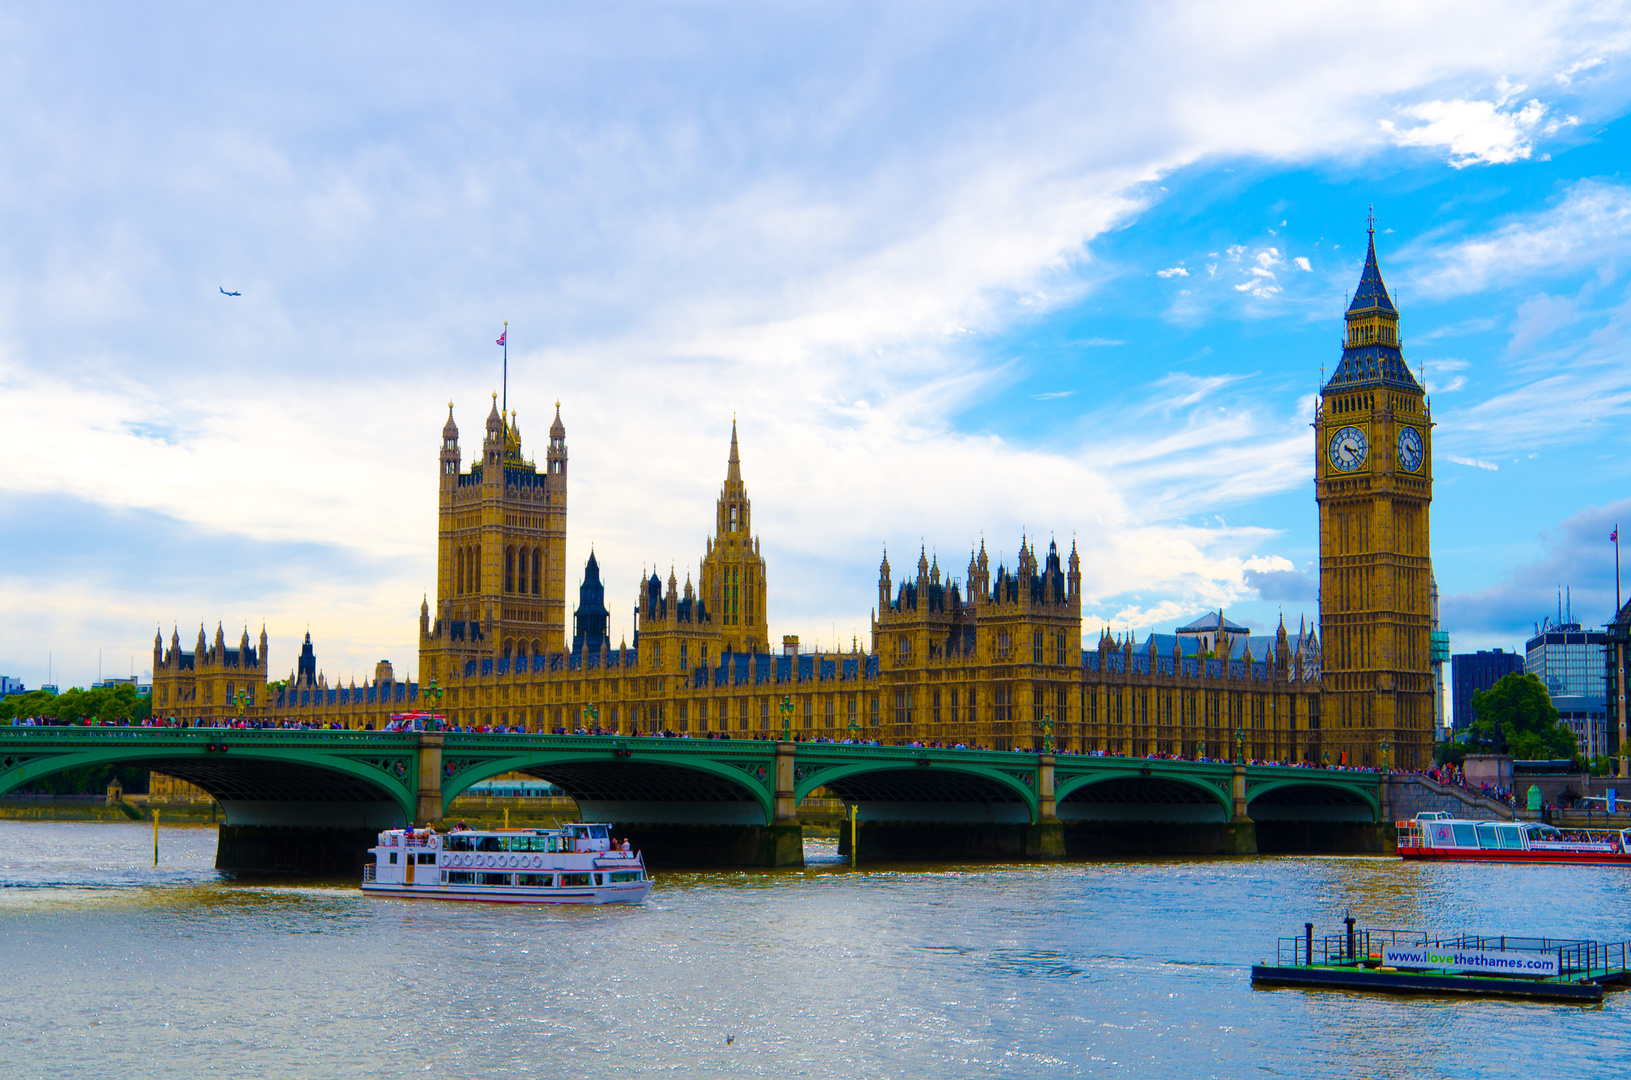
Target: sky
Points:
(962, 274)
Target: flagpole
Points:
(506, 384)
(1616, 571)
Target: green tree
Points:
(1450, 752)
(1517, 714)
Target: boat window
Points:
(1512, 838)
(1443, 836)
(492, 879)
(458, 843)
(458, 877)
(427, 858)
(575, 881)
(625, 875)
(1464, 835)
(1487, 837)
(600, 879)
(598, 832)
(535, 881)
(393, 858)
(489, 843)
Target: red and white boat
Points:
(571, 865)
(1459, 840)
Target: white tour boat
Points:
(574, 864)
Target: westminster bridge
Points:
(297, 800)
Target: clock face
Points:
(1410, 449)
(1348, 449)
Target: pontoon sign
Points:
(1509, 962)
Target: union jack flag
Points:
(501, 338)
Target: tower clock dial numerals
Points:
(1347, 449)
(1410, 449)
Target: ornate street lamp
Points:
(1387, 750)
(1047, 733)
(1240, 746)
(591, 716)
(854, 731)
(1200, 749)
(787, 717)
(241, 700)
(435, 693)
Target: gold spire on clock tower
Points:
(1374, 486)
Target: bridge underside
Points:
(1317, 818)
(944, 814)
(676, 816)
(282, 817)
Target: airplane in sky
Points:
(225, 293)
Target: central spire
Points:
(733, 474)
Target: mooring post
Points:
(1308, 944)
(428, 799)
(1349, 919)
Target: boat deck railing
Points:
(1577, 957)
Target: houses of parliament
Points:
(993, 657)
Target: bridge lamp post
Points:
(854, 731)
(1387, 750)
(1200, 749)
(1240, 746)
(435, 693)
(591, 716)
(1047, 733)
(786, 707)
(241, 701)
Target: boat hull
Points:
(630, 893)
(1568, 858)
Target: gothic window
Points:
(509, 569)
(827, 712)
(1002, 644)
(903, 708)
(953, 706)
(1060, 641)
(872, 709)
(683, 651)
(999, 705)
(935, 715)
(735, 511)
(475, 557)
(1036, 647)
(903, 647)
(521, 572)
(458, 571)
(537, 557)
(764, 714)
(809, 713)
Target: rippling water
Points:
(1128, 968)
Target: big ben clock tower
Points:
(1374, 484)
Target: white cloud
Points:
(1053, 395)
(1474, 462)
(1176, 271)
(1303, 263)
(1475, 132)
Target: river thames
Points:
(1114, 968)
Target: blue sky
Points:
(960, 271)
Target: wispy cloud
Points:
(1473, 462)
(1589, 223)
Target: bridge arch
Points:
(1296, 799)
(254, 785)
(903, 790)
(671, 788)
(1153, 796)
